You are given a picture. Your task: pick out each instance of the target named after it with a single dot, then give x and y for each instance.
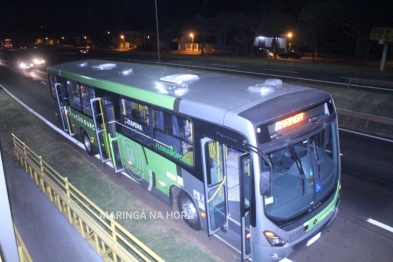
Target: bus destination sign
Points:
(288, 122)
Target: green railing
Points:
(111, 241)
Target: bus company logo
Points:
(82, 121)
(226, 137)
(173, 153)
(146, 215)
(132, 124)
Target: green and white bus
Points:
(254, 162)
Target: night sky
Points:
(21, 17)
(328, 25)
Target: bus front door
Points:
(215, 186)
(227, 176)
(245, 184)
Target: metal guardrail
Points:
(24, 255)
(110, 240)
(366, 81)
(366, 117)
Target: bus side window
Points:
(135, 119)
(170, 131)
(87, 94)
(74, 95)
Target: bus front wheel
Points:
(87, 143)
(188, 210)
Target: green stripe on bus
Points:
(154, 98)
(316, 220)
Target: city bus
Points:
(254, 162)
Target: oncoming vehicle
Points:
(254, 162)
(38, 61)
(31, 63)
(25, 64)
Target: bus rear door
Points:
(105, 129)
(63, 108)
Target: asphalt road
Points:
(367, 194)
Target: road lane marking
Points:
(225, 65)
(379, 224)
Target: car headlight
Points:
(273, 239)
(22, 65)
(38, 61)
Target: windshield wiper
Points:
(318, 160)
(297, 160)
(299, 165)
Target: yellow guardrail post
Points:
(23, 253)
(82, 213)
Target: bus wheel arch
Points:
(86, 142)
(189, 210)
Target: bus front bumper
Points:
(268, 253)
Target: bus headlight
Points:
(273, 239)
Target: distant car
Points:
(293, 55)
(264, 53)
(38, 61)
(31, 63)
(26, 64)
(84, 51)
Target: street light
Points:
(122, 38)
(290, 38)
(192, 41)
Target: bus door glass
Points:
(105, 128)
(245, 170)
(61, 102)
(215, 186)
(110, 125)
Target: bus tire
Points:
(188, 210)
(86, 142)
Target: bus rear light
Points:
(273, 239)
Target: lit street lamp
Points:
(122, 38)
(290, 38)
(192, 41)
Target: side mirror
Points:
(264, 183)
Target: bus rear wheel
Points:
(188, 210)
(87, 143)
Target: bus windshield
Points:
(304, 172)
